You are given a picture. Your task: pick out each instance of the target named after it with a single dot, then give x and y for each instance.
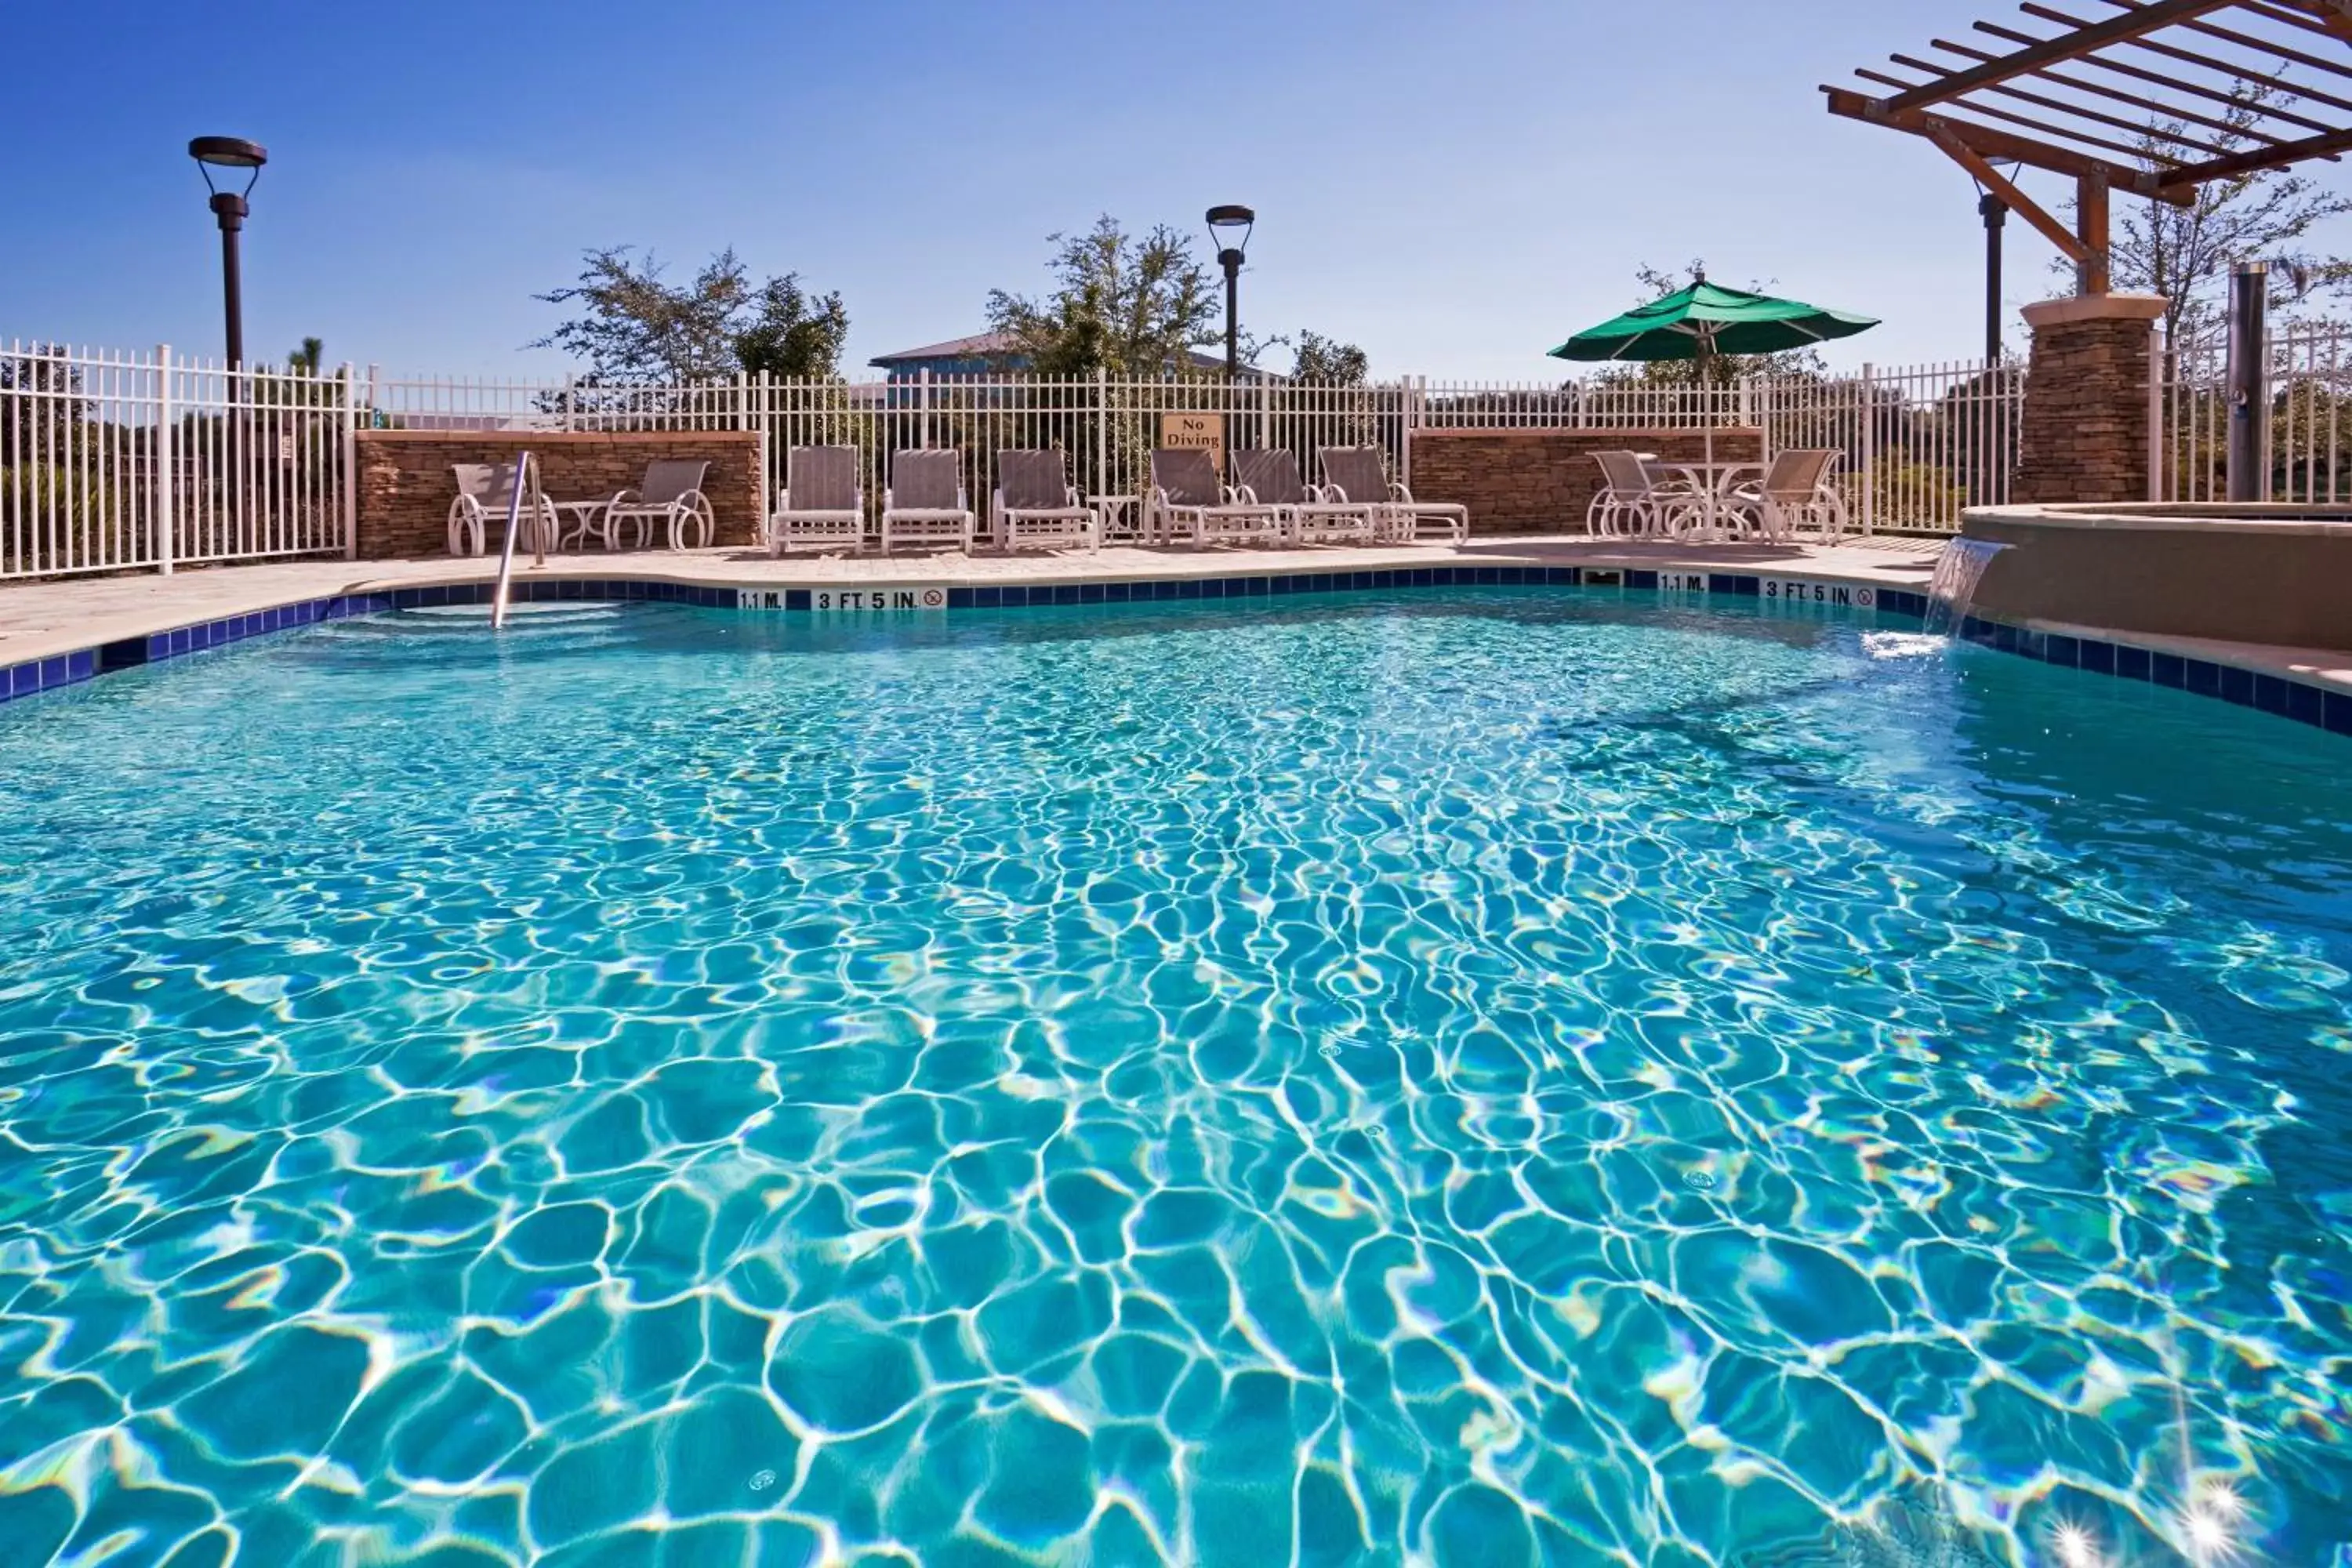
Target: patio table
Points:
(576, 519)
(1713, 482)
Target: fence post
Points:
(2159, 437)
(167, 475)
(1102, 431)
(350, 462)
(1416, 389)
(571, 401)
(1869, 452)
(923, 403)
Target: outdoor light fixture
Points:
(1994, 211)
(230, 153)
(1229, 256)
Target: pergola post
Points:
(2092, 274)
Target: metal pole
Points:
(1995, 212)
(166, 461)
(230, 209)
(1231, 260)
(2250, 403)
(351, 460)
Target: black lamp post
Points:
(1995, 212)
(230, 153)
(1229, 256)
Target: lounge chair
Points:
(1359, 474)
(924, 501)
(1186, 495)
(1631, 500)
(1795, 492)
(821, 506)
(671, 494)
(1269, 477)
(1033, 503)
(485, 495)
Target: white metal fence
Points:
(1919, 443)
(2307, 455)
(112, 460)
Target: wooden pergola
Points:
(2153, 98)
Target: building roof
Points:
(1002, 346)
(981, 345)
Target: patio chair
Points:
(1269, 477)
(1631, 500)
(485, 495)
(1795, 492)
(1187, 495)
(821, 506)
(1360, 474)
(924, 501)
(670, 494)
(1033, 503)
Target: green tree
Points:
(635, 327)
(793, 335)
(41, 403)
(1318, 358)
(2185, 253)
(1133, 306)
(305, 360)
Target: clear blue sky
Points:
(1454, 185)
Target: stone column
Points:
(2084, 435)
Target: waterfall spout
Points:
(1954, 586)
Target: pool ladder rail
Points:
(526, 479)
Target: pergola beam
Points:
(1990, 143)
(2082, 111)
(2100, 89)
(2256, 159)
(2205, 62)
(2265, 122)
(2141, 73)
(2051, 51)
(2015, 200)
(2333, 17)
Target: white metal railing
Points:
(1938, 437)
(111, 460)
(2308, 450)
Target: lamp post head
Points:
(227, 152)
(1987, 202)
(1231, 217)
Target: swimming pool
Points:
(1472, 1076)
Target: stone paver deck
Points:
(39, 620)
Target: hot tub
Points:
(2275, 573)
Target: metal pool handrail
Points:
(506, 554)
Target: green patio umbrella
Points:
(1707, 319)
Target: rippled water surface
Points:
(1478, 1079)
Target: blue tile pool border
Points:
(2297, 700)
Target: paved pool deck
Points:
(46, 619)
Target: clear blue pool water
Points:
(1481, 1078)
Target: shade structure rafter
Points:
(2282, 70)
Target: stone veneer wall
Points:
(2084, 433)
(405, 486)
(1541, 480)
